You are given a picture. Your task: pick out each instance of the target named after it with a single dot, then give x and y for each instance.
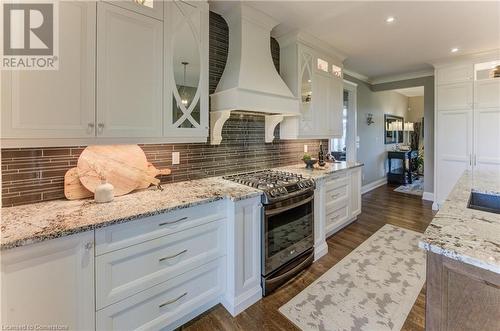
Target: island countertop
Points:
(467, 235)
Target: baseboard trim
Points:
(236, 305)
(373, 185)
(428, 196)
(320, 251)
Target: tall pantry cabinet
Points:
(467, 122)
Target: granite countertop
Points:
(37, 222)
(26, 224)
(467, 235)
(320, 173)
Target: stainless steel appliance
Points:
(287, 224)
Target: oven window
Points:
(288, 228)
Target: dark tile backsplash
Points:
(37, 174)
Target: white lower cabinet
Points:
(337, 202)
(169, 304)
(49, 284)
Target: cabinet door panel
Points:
(56, 103)
(336, 127)
(487, 139)
(50, 283)
(186, 69)
(320, 103)
(487, 94)
(454, 137)
(455, 74)
(129, 84)
(455, 96)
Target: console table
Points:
(402, 172)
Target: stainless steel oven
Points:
(287, 239)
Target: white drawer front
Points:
(336, 190)
(125, 272)
(160, 306)
(119, 236)
(336, 213)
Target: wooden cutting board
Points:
(73, 188)
(124, 166)
(153, 172)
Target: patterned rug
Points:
(373, 288)
(415, 188)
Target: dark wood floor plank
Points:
(380, 206)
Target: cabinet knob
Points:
(88, 246)
(100, 127)
(91, 125)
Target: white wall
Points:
(372, 150)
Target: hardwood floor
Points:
(380, 206)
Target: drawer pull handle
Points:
(173, 222)
(172, 256)
(173, 300)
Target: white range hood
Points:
(250, 82)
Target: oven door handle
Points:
(282, 209)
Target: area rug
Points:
(415, 188)
(373, 288)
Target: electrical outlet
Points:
(176, 158)
(305, 148)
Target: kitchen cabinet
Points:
(56, 103)
(152, 8)
(120, 79)
(315, 76)
(337, 203)
(50, 283)
(467, 124)
(129, 75)
(186, 69)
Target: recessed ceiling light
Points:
(390, 19)
(454, 50)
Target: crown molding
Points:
(357, 76)
(311, 42)
(490, 55)
(405, 76)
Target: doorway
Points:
(345, 148)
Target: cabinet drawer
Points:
(336, 213)
(336, 190)
(125, 272)
(123, 235)
(162, 305)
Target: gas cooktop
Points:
(277, 185)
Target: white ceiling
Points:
(417, 91)
(423, 31)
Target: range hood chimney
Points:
(250, 82)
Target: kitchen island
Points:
(463, 260)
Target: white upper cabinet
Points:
(56, 103)
(186, 69)
(455, 96)
(129, 75)
(455, 74)
(487, 93)
(312, 76)
(152, 8)
(129, 72)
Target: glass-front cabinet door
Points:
(186, 70)
(306, 109)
